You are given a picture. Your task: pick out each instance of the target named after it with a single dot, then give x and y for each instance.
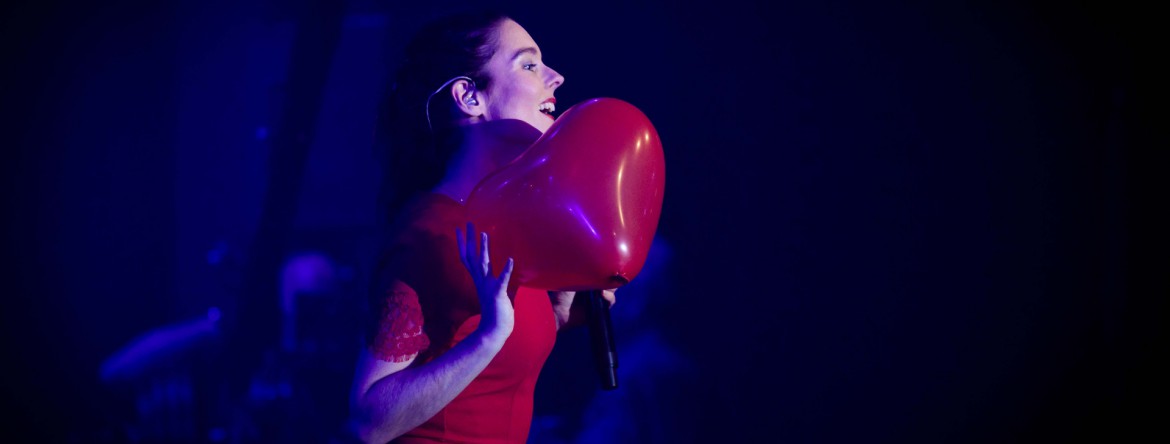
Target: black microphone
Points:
(601, 332)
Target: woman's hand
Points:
(498, 317)
(566, 297)
(566, 315)
(610, 295)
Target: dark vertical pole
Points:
(601, 335)
(256, 325)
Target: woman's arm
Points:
(392, 398)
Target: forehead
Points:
(512, 38)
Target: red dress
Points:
(428, 304)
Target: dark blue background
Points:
(897, 222)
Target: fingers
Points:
(469, 245)
(461, 244)
(486, 262)
(482, 263)
(479, 264)
(609, 295)
(506, 274)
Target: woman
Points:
(456, 348)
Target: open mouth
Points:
(548, 107)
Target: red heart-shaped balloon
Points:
(578, 209)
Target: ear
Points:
(467, 98)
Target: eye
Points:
(529, 66)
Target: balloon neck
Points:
(618, 281)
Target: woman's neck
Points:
(484, 148)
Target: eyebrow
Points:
(529, 49)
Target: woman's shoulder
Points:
(431, 212)
(425, 220)
(421, 248)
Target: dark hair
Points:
(413, 155)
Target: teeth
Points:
(548, 107)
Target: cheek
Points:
(517, 99)
(506, 100)
(518, 104)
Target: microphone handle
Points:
(601, 333)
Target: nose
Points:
(555, 79)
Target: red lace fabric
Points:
(400, 332)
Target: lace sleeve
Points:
(400, 333)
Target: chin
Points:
(541, 126)
(545, 123)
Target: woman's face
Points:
(522, 85)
